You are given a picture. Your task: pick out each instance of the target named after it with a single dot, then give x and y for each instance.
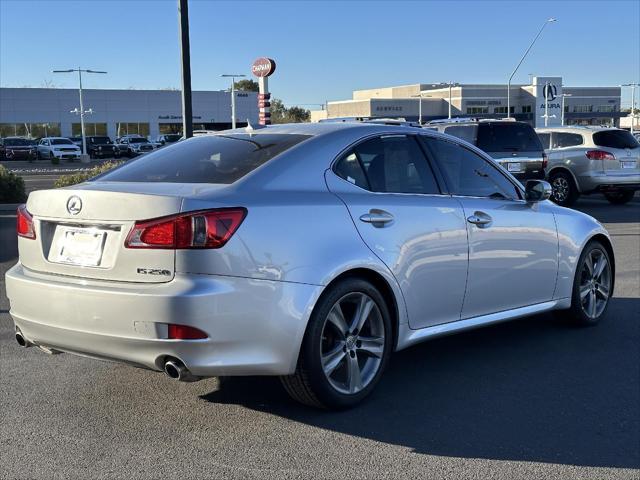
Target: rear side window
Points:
(508, 137)
(468, 174)
(545, 139)
(564, 139)
(206, 159)
(468, 133)
(615, 139)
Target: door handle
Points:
(480, 219)
(378, 218)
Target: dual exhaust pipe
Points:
(21, 340)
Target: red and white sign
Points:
(264, 96)
(263, 67)
(263, 104)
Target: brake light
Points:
(200, 229)
(185, 332)
(545, 160)
(600, 155)
(24, 223)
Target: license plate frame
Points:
(514, 167)
(628, 164)
(81, 246)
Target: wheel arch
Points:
(564, 169)
(606, 243)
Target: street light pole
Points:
(633, 101)
(564, 95)
(233, 95)
(185, 56)
(549, 20)
(82, 111)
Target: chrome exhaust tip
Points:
(21, 340)
(175, 369)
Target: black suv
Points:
(514, 145)
(101, 147)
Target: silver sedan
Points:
(309, 251)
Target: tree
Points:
(246, 85)
(282, 114)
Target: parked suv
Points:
(101, 147)
(585, 160)
(168, 138)
(136, 145)
(514, 145)
(58, 147)
(17, 148)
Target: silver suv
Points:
(585, 160)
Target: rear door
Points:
(513, 245)
(397, 206)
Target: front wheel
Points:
(563, 189)
(592, 286)
(620, 197)
(345, 349)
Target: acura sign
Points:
(548, 91)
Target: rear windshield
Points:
(615, 139)
(61, 141)
(507, 137)
(205, 159)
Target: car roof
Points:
(575, 128)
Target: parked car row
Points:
(70, 148)
(576, 160)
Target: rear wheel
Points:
(592, 286)
(620, 197)
(563, 189)
(345, 348)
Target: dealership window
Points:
(31, 130)
(476, 110)
(169, 128)
(89, 129)
(606, 108)
(503, 110)
(583, 108)
(132, 129)
(526, 109)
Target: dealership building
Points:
(39, 112)
(582, 105)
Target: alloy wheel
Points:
(560, 189)
(352, 343)
(595, 283)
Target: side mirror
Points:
(537, 191)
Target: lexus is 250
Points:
(309, 252)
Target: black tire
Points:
(620, 197)
(309, 384)
(576, 314)
(564, 191)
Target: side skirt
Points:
(408, 336)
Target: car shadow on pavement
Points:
(601, 209)
(534, 390)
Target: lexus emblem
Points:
(74, 205)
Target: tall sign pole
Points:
(187, 111)
(263, 68)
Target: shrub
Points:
(11, 187)
(68, 180)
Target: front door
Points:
(399, 211)
(513, 245)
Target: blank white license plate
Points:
(513, 167)
(628, 164)
(82, 246)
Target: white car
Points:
(58, 147)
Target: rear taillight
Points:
(599, 155)
(24, 223)
(200, 229)
(545, 160)
(184, 332)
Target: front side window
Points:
(206, 159)
(468, 174)
(390, 164)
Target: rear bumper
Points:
(597, 181)
(255, 327)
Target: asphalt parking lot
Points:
(529, 399)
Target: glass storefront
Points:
(30, 130)
(132, 129)
(167, 128)
(89, 129)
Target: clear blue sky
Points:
(324, 50)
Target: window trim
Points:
(492, 164)
(350, 149)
